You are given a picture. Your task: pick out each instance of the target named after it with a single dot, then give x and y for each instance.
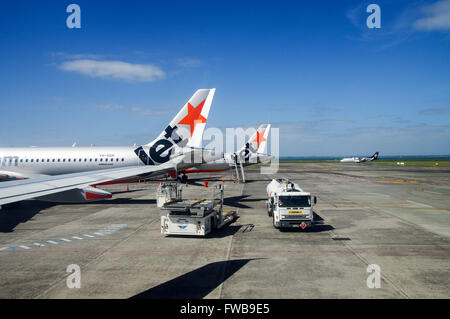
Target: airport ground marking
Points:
(191, 251)
(104, 231)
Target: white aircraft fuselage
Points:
(374, 157)
(26, 162)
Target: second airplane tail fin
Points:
(261, 138)
(375, 156)
(258, 141)
(256, 144)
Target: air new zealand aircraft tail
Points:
(375, 156)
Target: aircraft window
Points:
(68, 160)
(74, 159)
(21, 160)
(59, 160)
(96, 160)
(26, 160)
(117, 159)
(42, 160)
(101, 160)
(79, 160)
(64, 159)
(106, 159)
(37, 160)
(53, 160)
(48, 160)
(31, 161)
(90, 160)
(123, 159)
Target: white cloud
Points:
(75, 56)
(134, 109)
(437, 17)
(110, 107)
(302, 140)
(141, 111)
(114, 70)
(436, 111)
(189, 62)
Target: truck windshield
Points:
(294, 201)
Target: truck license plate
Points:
(295, 212)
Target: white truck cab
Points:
(289, 205)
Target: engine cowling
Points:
(79, 195)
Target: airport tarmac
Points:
(395, 217)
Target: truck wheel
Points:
(269, 211)
(274, 222)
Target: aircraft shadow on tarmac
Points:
(127, 200)
(195, 284)
(12, 215)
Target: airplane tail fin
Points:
(375, 156)
(258, 140)
(256, 144)
(264, 129)
(188, 125)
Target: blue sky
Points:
(311, 68)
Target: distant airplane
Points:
(360, 159)
(67, 174)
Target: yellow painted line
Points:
(420, 208)
(398, 181)
(299, 170)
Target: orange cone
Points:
(128, 189)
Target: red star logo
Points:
(259, 138)
(193, 117)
